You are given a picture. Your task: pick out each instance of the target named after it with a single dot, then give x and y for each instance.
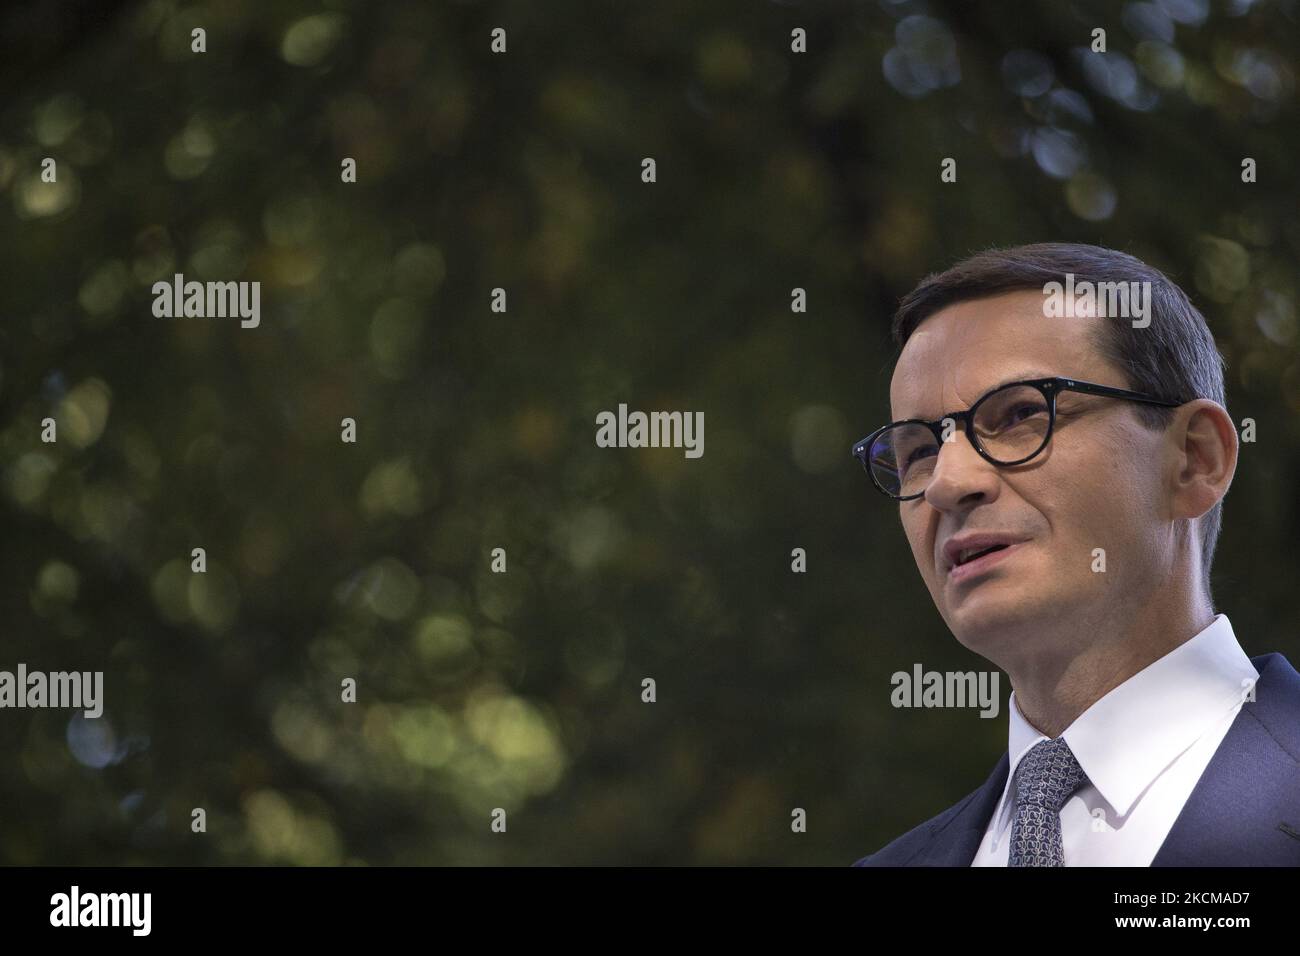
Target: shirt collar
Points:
(1157, 714)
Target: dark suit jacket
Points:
(1244, 811)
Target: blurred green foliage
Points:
(328, 560)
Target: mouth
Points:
(971, 562)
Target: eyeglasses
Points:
(1007, 426)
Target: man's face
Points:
(1098, 484)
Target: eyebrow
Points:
(1022, 376)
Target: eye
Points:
(921, 451)
(1024, 410)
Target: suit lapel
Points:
(954, 843)
(1244, 810)
(1246, 807)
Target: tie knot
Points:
(1048, 774)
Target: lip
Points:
(970, 569)
(973, 540)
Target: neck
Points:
(1099, 652)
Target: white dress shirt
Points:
(1143, 746)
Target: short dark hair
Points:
(1174, 358)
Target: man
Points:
(1065, 529)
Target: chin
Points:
(983, 618)
(980, 619)
(977, 638)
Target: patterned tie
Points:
(1046, 777)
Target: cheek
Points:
(1110, 494)
(916, 529)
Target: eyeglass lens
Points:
(1010, 424)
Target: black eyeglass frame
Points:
(1049, 387)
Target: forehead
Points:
(967, 348)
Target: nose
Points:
(961, 478)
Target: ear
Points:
(1206, 441)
